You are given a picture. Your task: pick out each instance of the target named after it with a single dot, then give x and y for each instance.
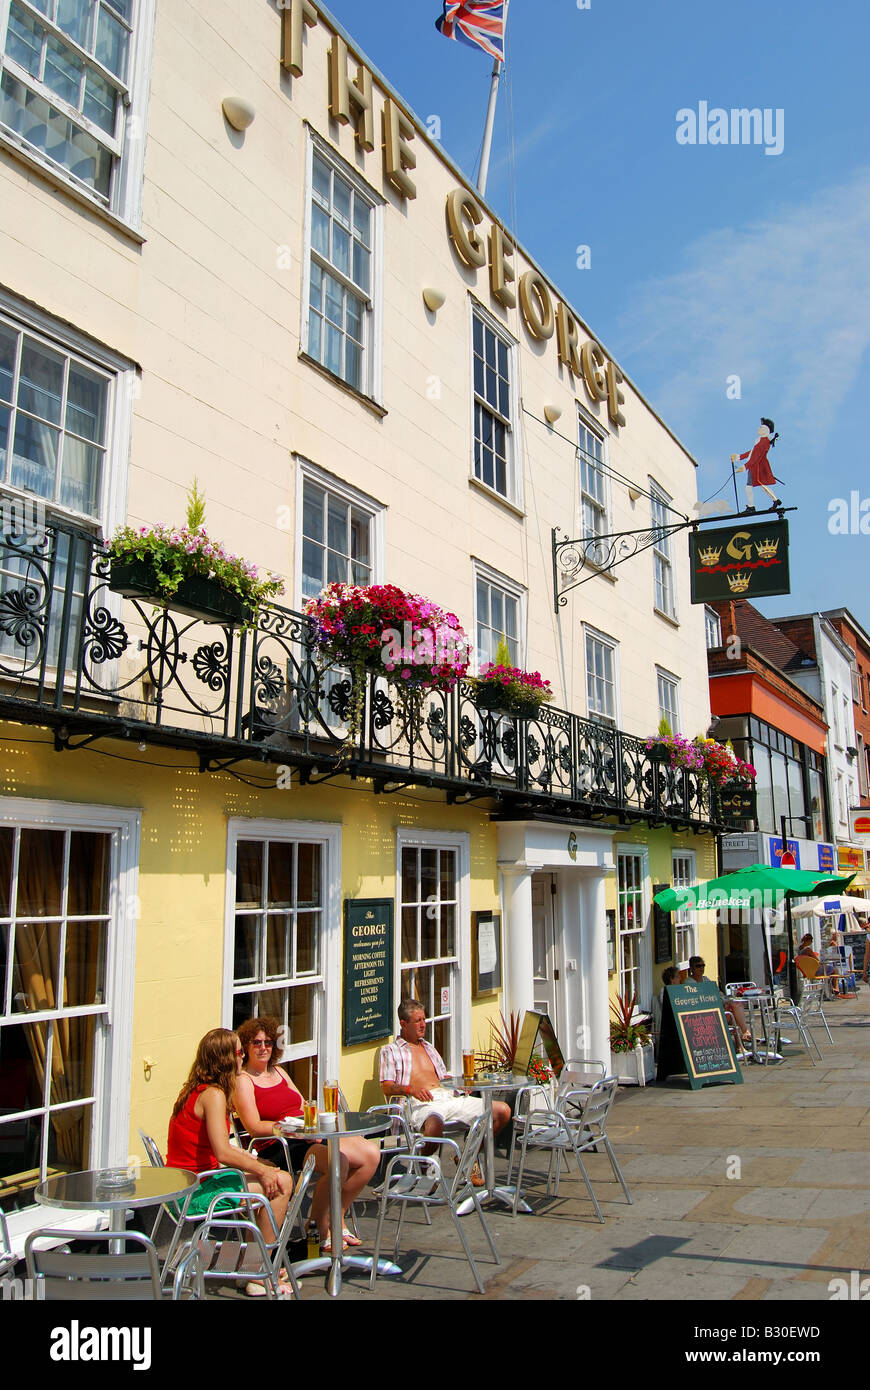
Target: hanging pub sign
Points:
(739, 561)
(694, 1036)
(738, 801)
(367, 1002)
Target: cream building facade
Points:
(180, 299)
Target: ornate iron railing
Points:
(77, 656)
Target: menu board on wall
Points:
(367, 1000)
(694, 1036)
(662, 929)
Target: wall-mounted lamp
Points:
(433, 299)
(633, 492)
(551, 414)
(238, 112)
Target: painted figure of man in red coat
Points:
(758, 470)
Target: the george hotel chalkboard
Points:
(694, 1037)
(367, 1001)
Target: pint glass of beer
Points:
(309, 1115)
(330, 1096)
(468, 1065)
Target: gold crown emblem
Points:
(767, 550)
(738, 583)
(710, 556)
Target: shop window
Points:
(429, 926)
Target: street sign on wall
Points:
(739, 561)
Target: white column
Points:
(593, 967)
(519, 966)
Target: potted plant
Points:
(722, 765)
(182, 568)
(508, 689)
(631, 1049)
(673, 749)
(504, 1039)
(403, 637)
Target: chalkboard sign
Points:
(662, 928)
(367, 1002)
(538, 1028)
(694, 1036)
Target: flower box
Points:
(197, 596)
(634, 1068)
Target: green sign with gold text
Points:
(367, 1003)
(739, 561)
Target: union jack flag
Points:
(477, 23)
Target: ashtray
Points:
(115, 1179)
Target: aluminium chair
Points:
(7, 1257)
(577, 1124)
(811, 1002)
(233, 1249)
(797, 1013)
(416, 1180)
(64, 1274)
(178, 1212)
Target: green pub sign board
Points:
(694, 1036)
(739, 561)
(367, 1003)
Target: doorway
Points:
(545, 957)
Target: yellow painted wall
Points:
(182, 879)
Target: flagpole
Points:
(497, 66)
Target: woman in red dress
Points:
(199, 1134)
(265, 1094)
(758, 470)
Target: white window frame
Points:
(667, 678)
(460, 841)
(685, 924)
(510, 589)
(514, 494)
(372, 387)
(113, 1059)
(712, 628)
(604, 640)
(124, 205)
(601, 506)
(376, 511)
(663, 559)
(328, 836)
(644, 961)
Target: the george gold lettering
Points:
(566, 337)
(591, 357)
(293, 21)
(536, 305)
(501, 271)
(351, 101)
(615, 398)
(463, 216)
(398, 155)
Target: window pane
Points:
(279, 941)
(81, 479)
(69, 1139)
(74, 18)
(341, 249)
(336, 524)
(361, 266)
(100, 103)
(362, 219)
(41, 383)
(341, 199)
(448, 931)
(249, 873)
(5, 414)
(111, 46)
(35, 967)
(40, 867)
(246, 967)
(24, 40)
(312, 511)
(300, 1020)
(34, 456)
(448, 876)
(280, 892)
(89, 857)
(63, 71)
(320, 231)
(322, 176)
(7, 846)
(428, 932)
(307, 942)
(308, 890)
(353, 365)
(410, 891)
(409, 933)
(85, 969)
(312, 569)
(8, 343)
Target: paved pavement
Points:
(755, 1192)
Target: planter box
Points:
(494, 702)
(624, 1066)
(196, 597)
(657, 754)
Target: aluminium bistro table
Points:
(350, 1122)
(760, 1004)
(493, 1191)
(147, 1187)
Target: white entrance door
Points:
(545, 966)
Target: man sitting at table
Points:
(411, 1067)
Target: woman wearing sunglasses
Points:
(265, 1094)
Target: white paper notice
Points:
(486, 956)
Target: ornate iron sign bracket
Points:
(601, 554)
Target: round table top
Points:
(87, 1191)
(506, 1083)
(349, 1122)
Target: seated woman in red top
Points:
(199, 1132)
(265, 1094)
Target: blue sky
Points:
(707, 261)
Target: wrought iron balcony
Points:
(76, 656)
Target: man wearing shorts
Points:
(411, 1067)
